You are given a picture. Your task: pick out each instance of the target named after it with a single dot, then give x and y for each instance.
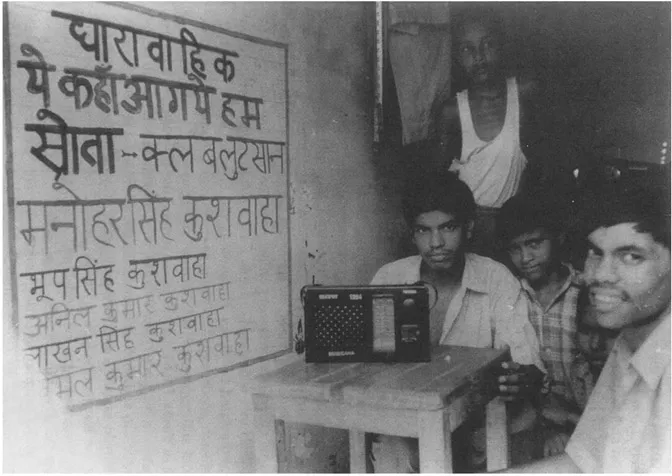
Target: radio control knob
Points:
(409, 302)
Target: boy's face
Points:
(533, 254)
(440, 239)
(478, 53)
(628, 276)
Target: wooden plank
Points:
(497, 436)
(266, 456)
(387, 374)
(281, 445)
(465, 364)
(299, 379)
(338, 383)
(307, 390)
(434, 442)
(457, 412)
(412, 391)
(426, 386)
(351, 373)
(391, 398)
(300, 372)
(357, 451)
(412, 377)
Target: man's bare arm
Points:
(448, 131)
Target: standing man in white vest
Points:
(481, 130)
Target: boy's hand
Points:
(555, 444)
(518, 381)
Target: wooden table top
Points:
(423, 386)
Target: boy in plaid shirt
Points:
(531, 235)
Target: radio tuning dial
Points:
(409, 302)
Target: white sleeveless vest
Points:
(491, 169)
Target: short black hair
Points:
(438, 190)
(526, 213)
(611, 204)
(481, 13)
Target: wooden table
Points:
(422, 400)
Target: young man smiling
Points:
(531, 233)
(479, 303)
(625, 426)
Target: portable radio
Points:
(387, 323)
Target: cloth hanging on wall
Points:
(419, 50)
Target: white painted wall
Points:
(341, 217)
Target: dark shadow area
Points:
(603, 74)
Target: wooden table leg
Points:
(436, 454)
(497, 435)
(266, 452)
(357, 451)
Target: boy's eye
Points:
(631, 258)
(593, 252)
(419, 231)
(450, 227)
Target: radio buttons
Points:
(409, 302)
(410, 333)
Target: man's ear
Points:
(470, 229)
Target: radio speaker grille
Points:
(339, 326)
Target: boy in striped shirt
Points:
(530, 231)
